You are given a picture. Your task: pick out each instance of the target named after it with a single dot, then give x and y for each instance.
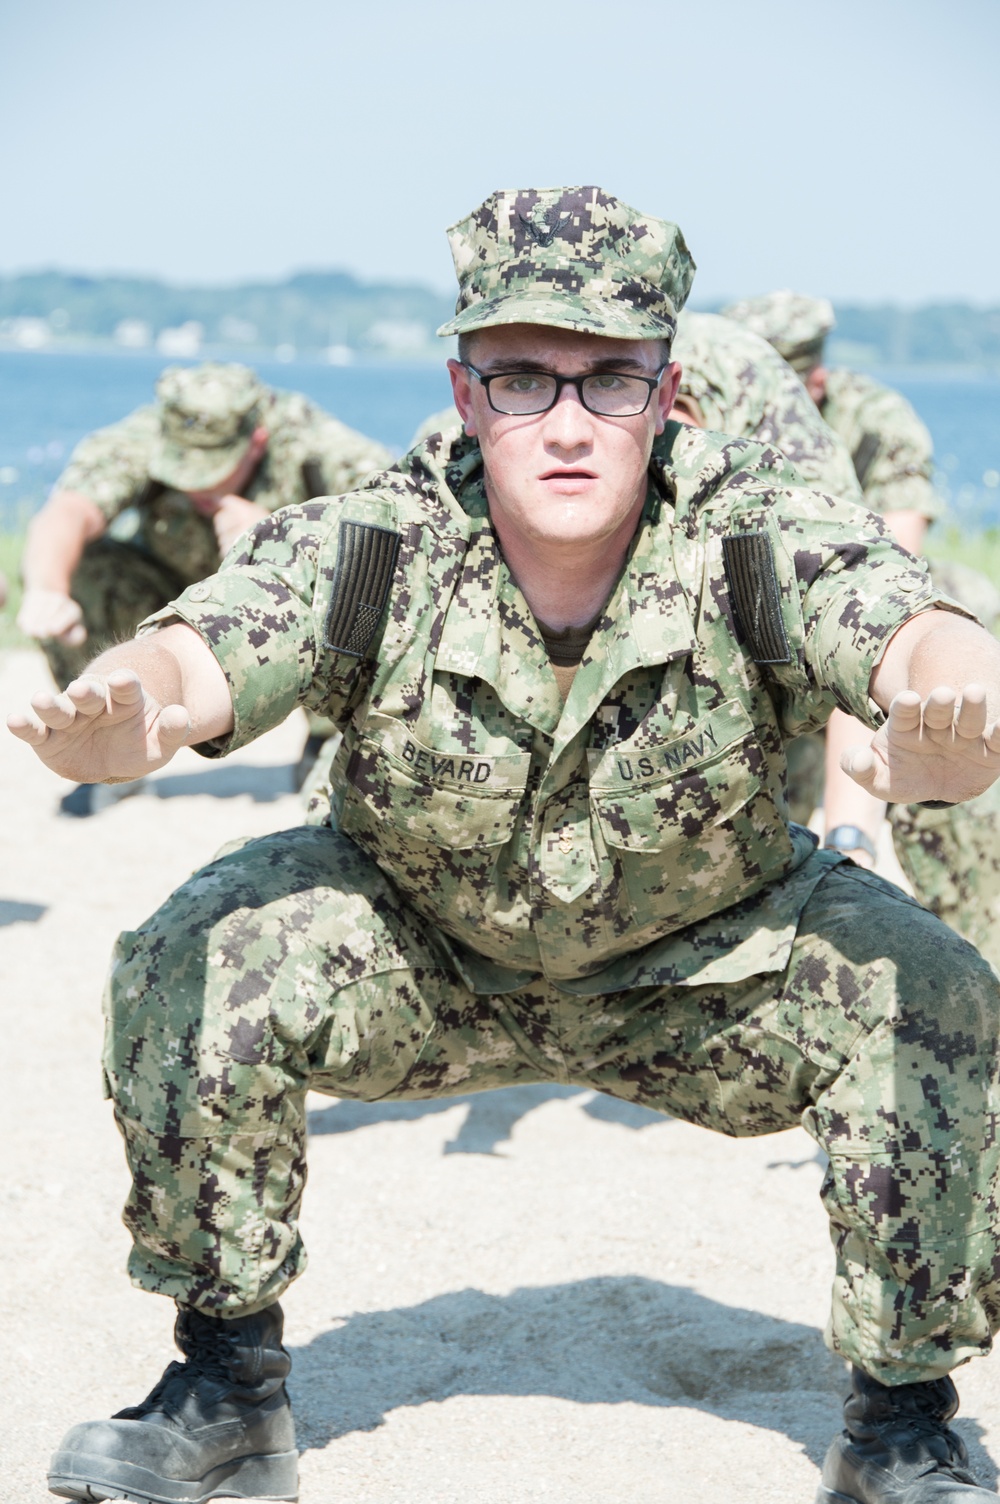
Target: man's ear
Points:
(461, 388)
(815, 384)
(666, 394)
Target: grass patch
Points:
(977, 550)
(11, 545)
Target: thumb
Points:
(860, 764)
(173, 726)
(76, 636)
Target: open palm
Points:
(103, 729)
(940, 748)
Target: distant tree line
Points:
(311, 311)
(335, 312)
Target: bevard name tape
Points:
(463, 769)
(675, 756)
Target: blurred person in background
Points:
(151, 504)
(950, 856)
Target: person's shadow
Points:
(265, 783)
(14, 911)
(608, 1340)
(490, 1116)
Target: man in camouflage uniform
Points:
(951, 857)
(151, 503)
(565, 666)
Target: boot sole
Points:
(274, 1476)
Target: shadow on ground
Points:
(263, 782)
(13, 911)
(609, 1340)
(490, 1118)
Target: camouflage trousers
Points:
(951, 857)
(117, 585)
(291, 962)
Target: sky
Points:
(846, 148)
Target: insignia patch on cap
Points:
(543, 227)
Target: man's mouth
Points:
(566, 474)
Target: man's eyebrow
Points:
(508, 364)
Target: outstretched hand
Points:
(939, 748)
(102, 729)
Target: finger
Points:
(904, 711)
(55, 711)
(89, 694)
(124, 687)
(62, 620)
(173, 725)
(76, 636)
(27, 728)
(861, 764)
(939, 708)
(970, 721)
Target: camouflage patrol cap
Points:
(794, 324)
(568, 258)
(207, 415)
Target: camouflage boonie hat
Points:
(795, 325)
(207, 415)
(568, 258)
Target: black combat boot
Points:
(217, 1426)
(898, 1448)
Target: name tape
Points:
(460, 769)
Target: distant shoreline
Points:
(910, 371)
(334, 317)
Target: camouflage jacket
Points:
(308, 454)
(744, 388)
(634, 833)
(890, 447)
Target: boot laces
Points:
(208, 1352)
(920, 1409)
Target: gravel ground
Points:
(536, 1294)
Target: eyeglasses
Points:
(610, 394)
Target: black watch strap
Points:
(848, 838)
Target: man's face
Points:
(815, 384)
(207, 502)
(566, 476)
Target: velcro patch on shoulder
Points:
(313, 482)
(864, 456)
(753, 585)
(366, 561)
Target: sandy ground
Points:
(536, 1294)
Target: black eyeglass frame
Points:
(650, 382)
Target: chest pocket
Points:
(689, 823)
(436, 821)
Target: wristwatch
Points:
(848, 838)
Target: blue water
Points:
(49, 401)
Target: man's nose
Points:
(568, 421)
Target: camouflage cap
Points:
(207, 415)
(568, 258)
(794, 324)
